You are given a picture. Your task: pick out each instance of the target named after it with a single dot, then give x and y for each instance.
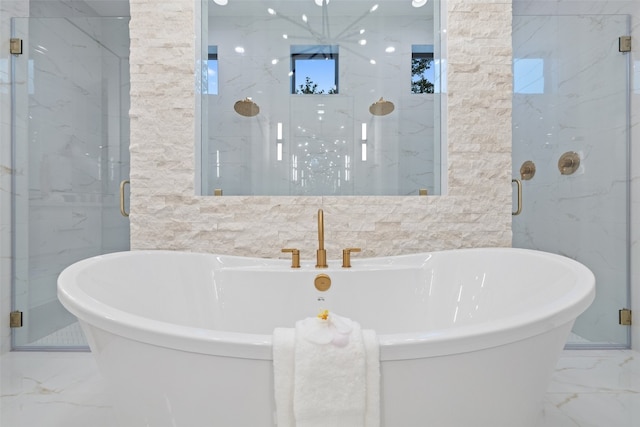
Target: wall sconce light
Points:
(363, 137)
(279, 141)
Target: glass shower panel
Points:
(70, 145)
(571, 96)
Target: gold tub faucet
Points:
(321, 253)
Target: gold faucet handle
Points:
(346, 256)
(295, 257)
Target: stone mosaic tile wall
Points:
(165, 213)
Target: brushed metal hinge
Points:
(15, 46)
(624, 44)
(624, 317)
(15, 319)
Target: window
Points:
(422, 71)
(528, 75)
(314, 69)
(212, 70)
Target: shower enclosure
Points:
(70, 153)
(571, 151)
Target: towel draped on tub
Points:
(326, 373)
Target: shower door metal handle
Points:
(123, 212)
(519, 185)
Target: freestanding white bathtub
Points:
(467, 337)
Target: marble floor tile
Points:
(590, 388)
(594, 388)
(41, 389)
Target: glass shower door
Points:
(571, 120)
(70, 152)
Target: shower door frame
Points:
(615, 343)
(79, 137)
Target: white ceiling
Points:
(290, 7)
(308, 7)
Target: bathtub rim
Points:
(399, 346)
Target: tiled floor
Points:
(594, 389)
(590, 388)
(71, 335)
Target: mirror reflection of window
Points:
(314, 70)
(212, 70)
(422, 69)
(528, 75)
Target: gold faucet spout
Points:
(321, 253)
(320, 229)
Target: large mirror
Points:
(320, 97)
